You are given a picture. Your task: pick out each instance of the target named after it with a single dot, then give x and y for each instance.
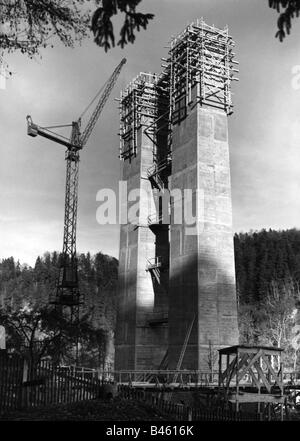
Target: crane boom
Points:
(101, 103)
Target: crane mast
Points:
(67, 292)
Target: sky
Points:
(264, 131)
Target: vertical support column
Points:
(137, 243)
(202, 272)
(138, 345)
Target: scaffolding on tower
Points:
(143, 104)
(201, 56)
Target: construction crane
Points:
(67, 290)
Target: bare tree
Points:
(28, 333)
(212, 358)
(28, 25)
(278, 309)
(38, 332)
(247, 326)
(295, 335)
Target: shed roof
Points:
(249, 348)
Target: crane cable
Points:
(94, 99)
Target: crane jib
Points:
(34, 130)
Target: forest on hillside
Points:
(262, 257)
(25, 292)
(267, 275)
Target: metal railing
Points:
(156, 169)
(81, 372)
(155, 262)
(160, 378)
(158, 219)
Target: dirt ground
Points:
(95, 410)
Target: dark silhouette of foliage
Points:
(287, 9)
(28, 25)
(102, 25)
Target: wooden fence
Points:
(25, 386)
(11, 376)
(180, 412)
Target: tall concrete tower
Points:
(202, 309)
(177, 297)
(141, 336)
